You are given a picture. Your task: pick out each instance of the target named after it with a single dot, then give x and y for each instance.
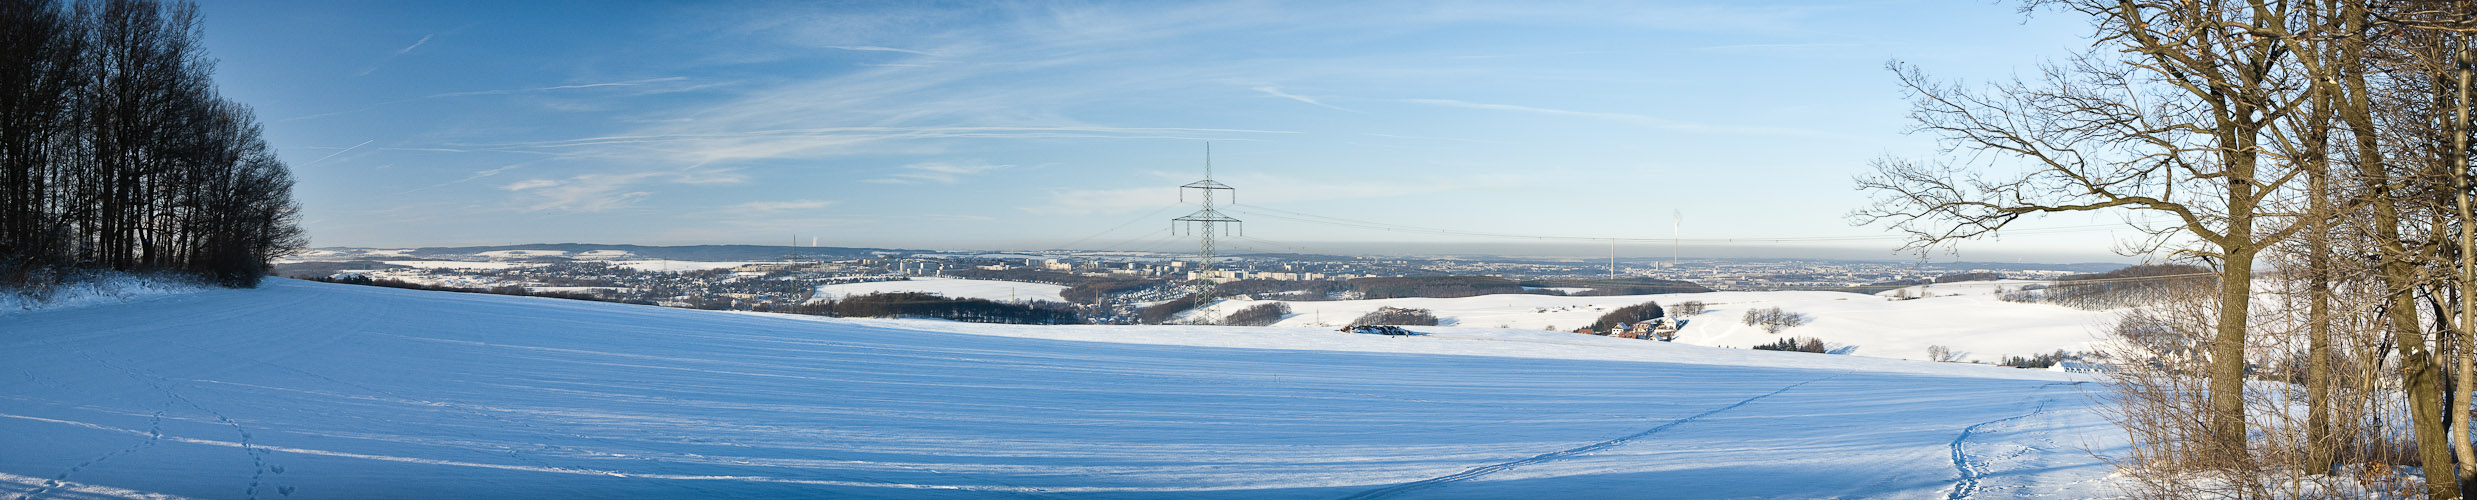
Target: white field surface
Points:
(1001, 291)
(1970, 320)
(310, 390)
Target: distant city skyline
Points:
(1047, 125)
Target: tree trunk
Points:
(2321, 443)
(2455, 163)
(2227, 355)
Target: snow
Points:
(1002, 291)
(100, 289)
(1970, 319)
(313, 390)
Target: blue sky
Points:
(1037, 125)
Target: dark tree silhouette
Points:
(116, 152)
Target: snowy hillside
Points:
(308, 390)
(1966, 317)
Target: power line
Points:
(1162, 234)
(1123, 225)
(1383, 226)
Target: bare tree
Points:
(2167, 115)
(117, 152)
(1941, 354)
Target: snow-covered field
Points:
(1002, 291)
(309, 390)
(1966, 317)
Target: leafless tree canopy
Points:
(115, 150)
(2313, 155)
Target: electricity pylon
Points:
(1211, 220)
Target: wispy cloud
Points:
(491, 172)
(938, 172)
(699, 142)
(629, 83)
(530, 184)
(583, 193)
(606, 191)
(1645, 120)
(873, 48)
(1773, 46)
(1261, 189)
(639, 87)
(1277, 92)
(779, 206)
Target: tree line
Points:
(1629, 314)
(930, 305)
(2311, 153)
(2128, 287)
(116, 151)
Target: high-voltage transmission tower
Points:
(1211, 222)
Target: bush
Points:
(1794, 344)
(1773, 320)
(1258, 315)
(1396, 316)
(1629, 314)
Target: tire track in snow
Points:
(1561, 454)
(1971, 471)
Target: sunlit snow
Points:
(310, 390)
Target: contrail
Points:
(346, 150)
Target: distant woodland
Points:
(117, 152)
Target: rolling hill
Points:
(310, 390)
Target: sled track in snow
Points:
(1971, 472)
(1561, 454)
